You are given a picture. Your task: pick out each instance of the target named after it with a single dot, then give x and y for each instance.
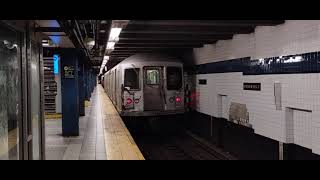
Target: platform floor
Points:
(103, 135)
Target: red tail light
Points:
(129, 101)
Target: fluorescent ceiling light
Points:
(91, 43)
(110, 45)
(114, 34)
(45, 42)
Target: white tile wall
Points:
(300, 91)
(302, 132)
(264, 117)
(292, 37)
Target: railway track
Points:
(179, 146)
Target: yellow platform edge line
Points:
(53, 116)
(86, 103)
(106, 102)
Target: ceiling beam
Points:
(144, 44)
(161, 46)
(166, 41)
(200, 29)
(155, 48)
(196, 32)
(215, 23)
(49, 29)
(130, 36)
(121, 50)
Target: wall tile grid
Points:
(300, 81)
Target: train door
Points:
(153, 89)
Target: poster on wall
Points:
(238, 113)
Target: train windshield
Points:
(131, 78)
(174, 78)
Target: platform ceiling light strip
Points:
(117, 26)
(114, 34)
(110, 45)
(106, 58)
(45, 42)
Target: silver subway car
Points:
(146, 85)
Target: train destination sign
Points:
(252, 86)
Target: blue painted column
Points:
(70, 92)
(89, 83)
(86, 82)
(81, 88)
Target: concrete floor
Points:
(89, 145)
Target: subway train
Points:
(146, 85)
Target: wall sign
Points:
(69, 72)
(252, 86)
(203, 81)
(56, 64)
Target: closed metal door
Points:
(153, 89)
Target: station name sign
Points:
(69, 72)
(252, 86)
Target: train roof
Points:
(149, 57)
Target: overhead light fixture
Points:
(91, 43)
(110, 45)
(114, 34)
(103, 22)
(45, 42)
(106, 58)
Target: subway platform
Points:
(103, 135)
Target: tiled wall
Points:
(292, 37)
(300, 92)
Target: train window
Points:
(153, 77)
(131, 78)
(174, 78)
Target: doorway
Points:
(153, 89)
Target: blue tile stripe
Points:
(292, 64)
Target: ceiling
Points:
(51, 28)
(169, 36)
(179, 35)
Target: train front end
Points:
(153, 90)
